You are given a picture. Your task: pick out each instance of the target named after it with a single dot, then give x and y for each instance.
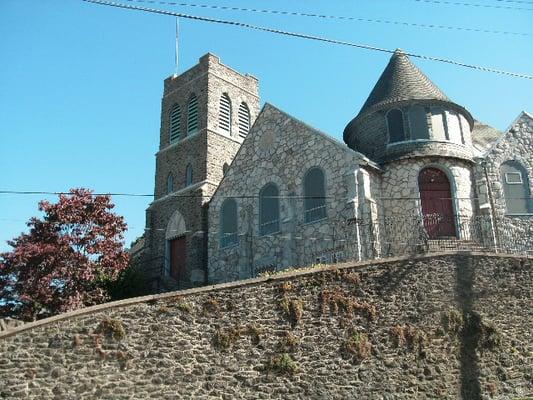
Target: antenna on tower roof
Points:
(177, 47)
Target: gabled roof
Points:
(483, 137)
(524, 115)
(401, 80)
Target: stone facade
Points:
(445, 327)
(515, 231)
(280, 149)
(374, 206)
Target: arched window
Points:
(418, 123)
(395, 126)
(224, 117)
(516, 188)
(268, 209)
(438, 124)
(314, 195)
(175, 123)
(244, 120)
(188, 175)
(192, 115)
(228, 223)
(170, 183)
(225, 168)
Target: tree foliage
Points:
(65, 260)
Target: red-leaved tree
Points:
(65, 260)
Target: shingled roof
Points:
(401, 80)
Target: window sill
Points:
(315, 221)
(518, 214)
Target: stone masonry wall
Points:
(206, 151)
(401, 200)
(513, 231)
(446, 327)
(281, 150)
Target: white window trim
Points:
(520, 182)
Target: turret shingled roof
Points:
(401, 80)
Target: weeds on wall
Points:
(111, 328)
(184, 307)
(211, 305)
(282, 364)
(224, 338)
(293, 309)
(452, 321)
(357, 346)
(288, 342)
(409, 337)
(336, 301)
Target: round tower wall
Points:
(446, 132)
(401, 192)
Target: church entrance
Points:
(178, 257)
(436, 201)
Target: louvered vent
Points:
(224, 120)
(244, 120)
(192, 116)
(175, 123)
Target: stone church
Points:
(241, 190)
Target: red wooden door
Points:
(178, 257)
(437, 207)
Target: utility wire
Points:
(309, 37)
(458, 3)
(198, 196)
(515, 1)
(334, 17)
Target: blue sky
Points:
(81, 84)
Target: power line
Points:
(309, 37)
(255, 196)
(515, 1)
(458, 3)
(323, 16)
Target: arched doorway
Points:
(175, 261)
(436, 201)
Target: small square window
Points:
(513, 178)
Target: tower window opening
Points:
(170, 183)
(395, 126)
(175, 123)
(188, 175)
(244, 120)
(418, 123)
(439, 126)
(224, 118)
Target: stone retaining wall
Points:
(451, 326)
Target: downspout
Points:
(492, 207)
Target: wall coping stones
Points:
(246, 282)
